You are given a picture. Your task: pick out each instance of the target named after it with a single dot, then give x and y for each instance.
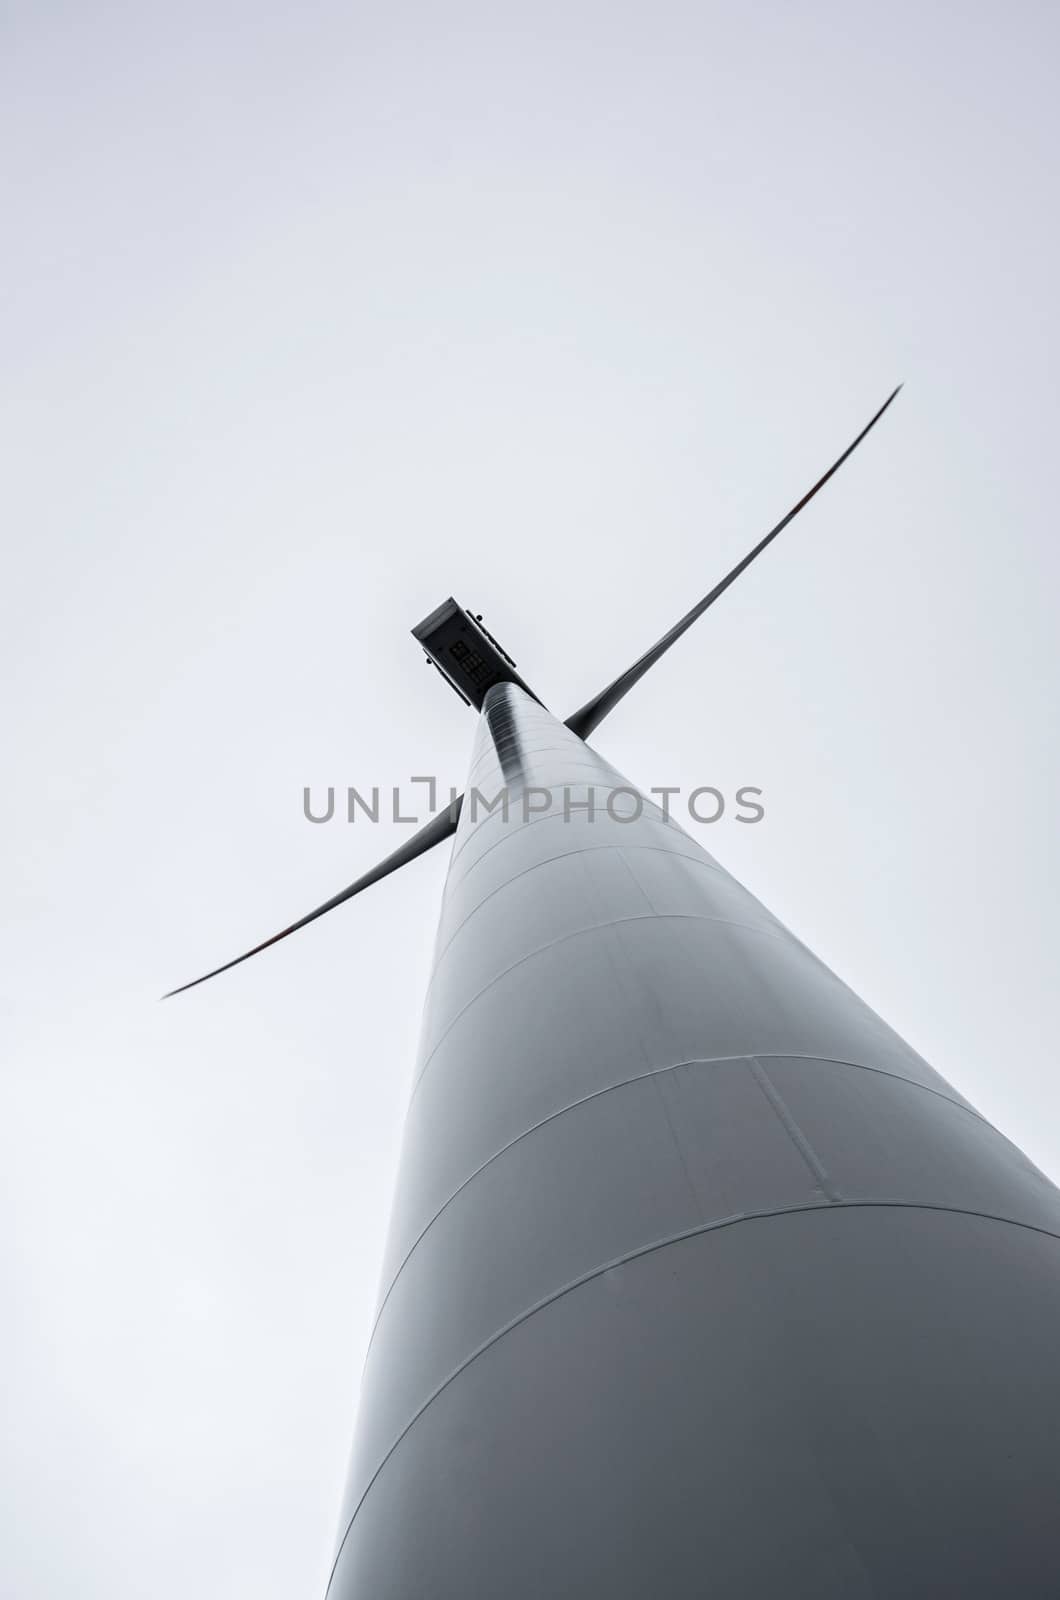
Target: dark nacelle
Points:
(465, 652)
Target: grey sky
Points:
(313, 316)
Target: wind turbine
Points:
(699, 1280)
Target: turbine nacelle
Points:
(465, 653)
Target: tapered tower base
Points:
(699, 1280)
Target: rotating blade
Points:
(590, 715)
(440, 827)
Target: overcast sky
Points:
(313, 315)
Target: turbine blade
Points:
(590, 715)
(440, 827)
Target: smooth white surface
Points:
(312, 318)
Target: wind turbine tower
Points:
(699, 1281)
